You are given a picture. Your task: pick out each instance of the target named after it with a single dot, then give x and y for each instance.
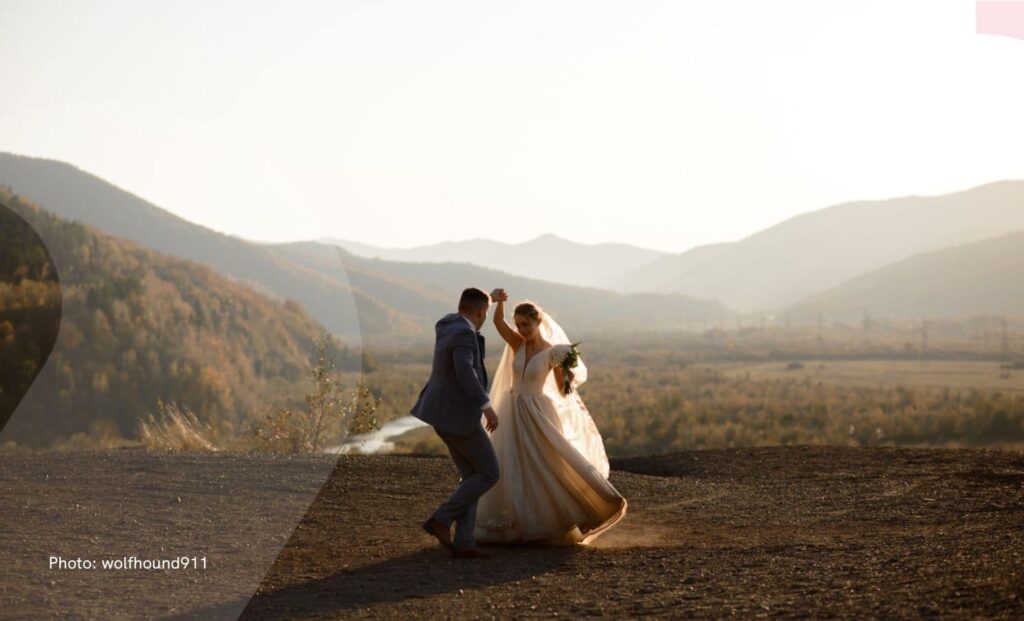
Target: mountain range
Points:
(578, 264)
(351, 296)
(841, 260)
(425, 291)
(813, 252)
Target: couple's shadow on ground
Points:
(427, 572)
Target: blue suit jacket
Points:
(456, 392)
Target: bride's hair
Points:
(529, 309)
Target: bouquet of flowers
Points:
(567, 357)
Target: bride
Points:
(554, 484)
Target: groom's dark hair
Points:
(473, 300)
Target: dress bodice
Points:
(536, 371)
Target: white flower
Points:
(558, 354)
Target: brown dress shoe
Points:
(470, 552)
(440, 531)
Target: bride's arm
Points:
(511, 336)
(559, 378)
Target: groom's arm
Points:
(463, 347)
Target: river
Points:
(378, 441)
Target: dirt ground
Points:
(826, 532)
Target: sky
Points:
(661, 124)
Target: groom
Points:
(452, 401)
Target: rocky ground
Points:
(768, 532)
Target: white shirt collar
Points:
(468, 321)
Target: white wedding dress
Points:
(553, 485)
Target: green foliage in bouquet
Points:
(570, 362)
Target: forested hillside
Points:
(137, 326)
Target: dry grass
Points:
(176, 429)
(952, 374)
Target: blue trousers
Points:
(474, 457)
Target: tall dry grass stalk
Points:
(176, 429)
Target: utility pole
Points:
(924, 338)
(1006, 340)
(821, 336)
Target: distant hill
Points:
(980, 278)
(577, 264)
(816, 251)
(77, 195)
(424, 291)
(137, 326)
